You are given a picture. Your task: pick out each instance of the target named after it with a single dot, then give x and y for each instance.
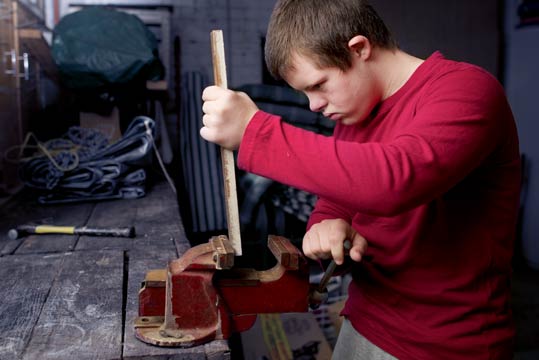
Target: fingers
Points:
(311, 245)
(337, 234)
(359, 247)
(226, 115)
(207, 120)
(212, 92)
(215, 100)
(214, 120)
(209, 131)
(207, 134)
(325, 240)
(215, 135)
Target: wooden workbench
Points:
(75, 297)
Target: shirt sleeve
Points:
(325, 209)
(451, 131)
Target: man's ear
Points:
(361, 46)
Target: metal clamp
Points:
(26, 66)
(10, 57)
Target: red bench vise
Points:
(200, 297)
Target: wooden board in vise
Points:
(227, 156)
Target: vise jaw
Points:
(201, 297)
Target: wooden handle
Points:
(227, 156)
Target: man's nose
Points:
(316, 104)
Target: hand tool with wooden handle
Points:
(319, 294)
(22, 230)
(227, 156)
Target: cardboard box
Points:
(108, 125)
(285, 337)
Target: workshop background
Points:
(500, 35)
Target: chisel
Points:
(319, 294)
(331, 268)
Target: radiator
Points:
(201, 162)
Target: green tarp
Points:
(97, 47)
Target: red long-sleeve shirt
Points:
(432, 181)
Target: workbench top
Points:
(76, 297)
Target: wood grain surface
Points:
(76, 297)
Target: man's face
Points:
(344, 96)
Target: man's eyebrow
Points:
(313, 85)
(309, 87)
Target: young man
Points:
(423, 166)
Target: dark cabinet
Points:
(25, 59)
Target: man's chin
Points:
(347, 121)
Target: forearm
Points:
(380, 178)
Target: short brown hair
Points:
(321, 30)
